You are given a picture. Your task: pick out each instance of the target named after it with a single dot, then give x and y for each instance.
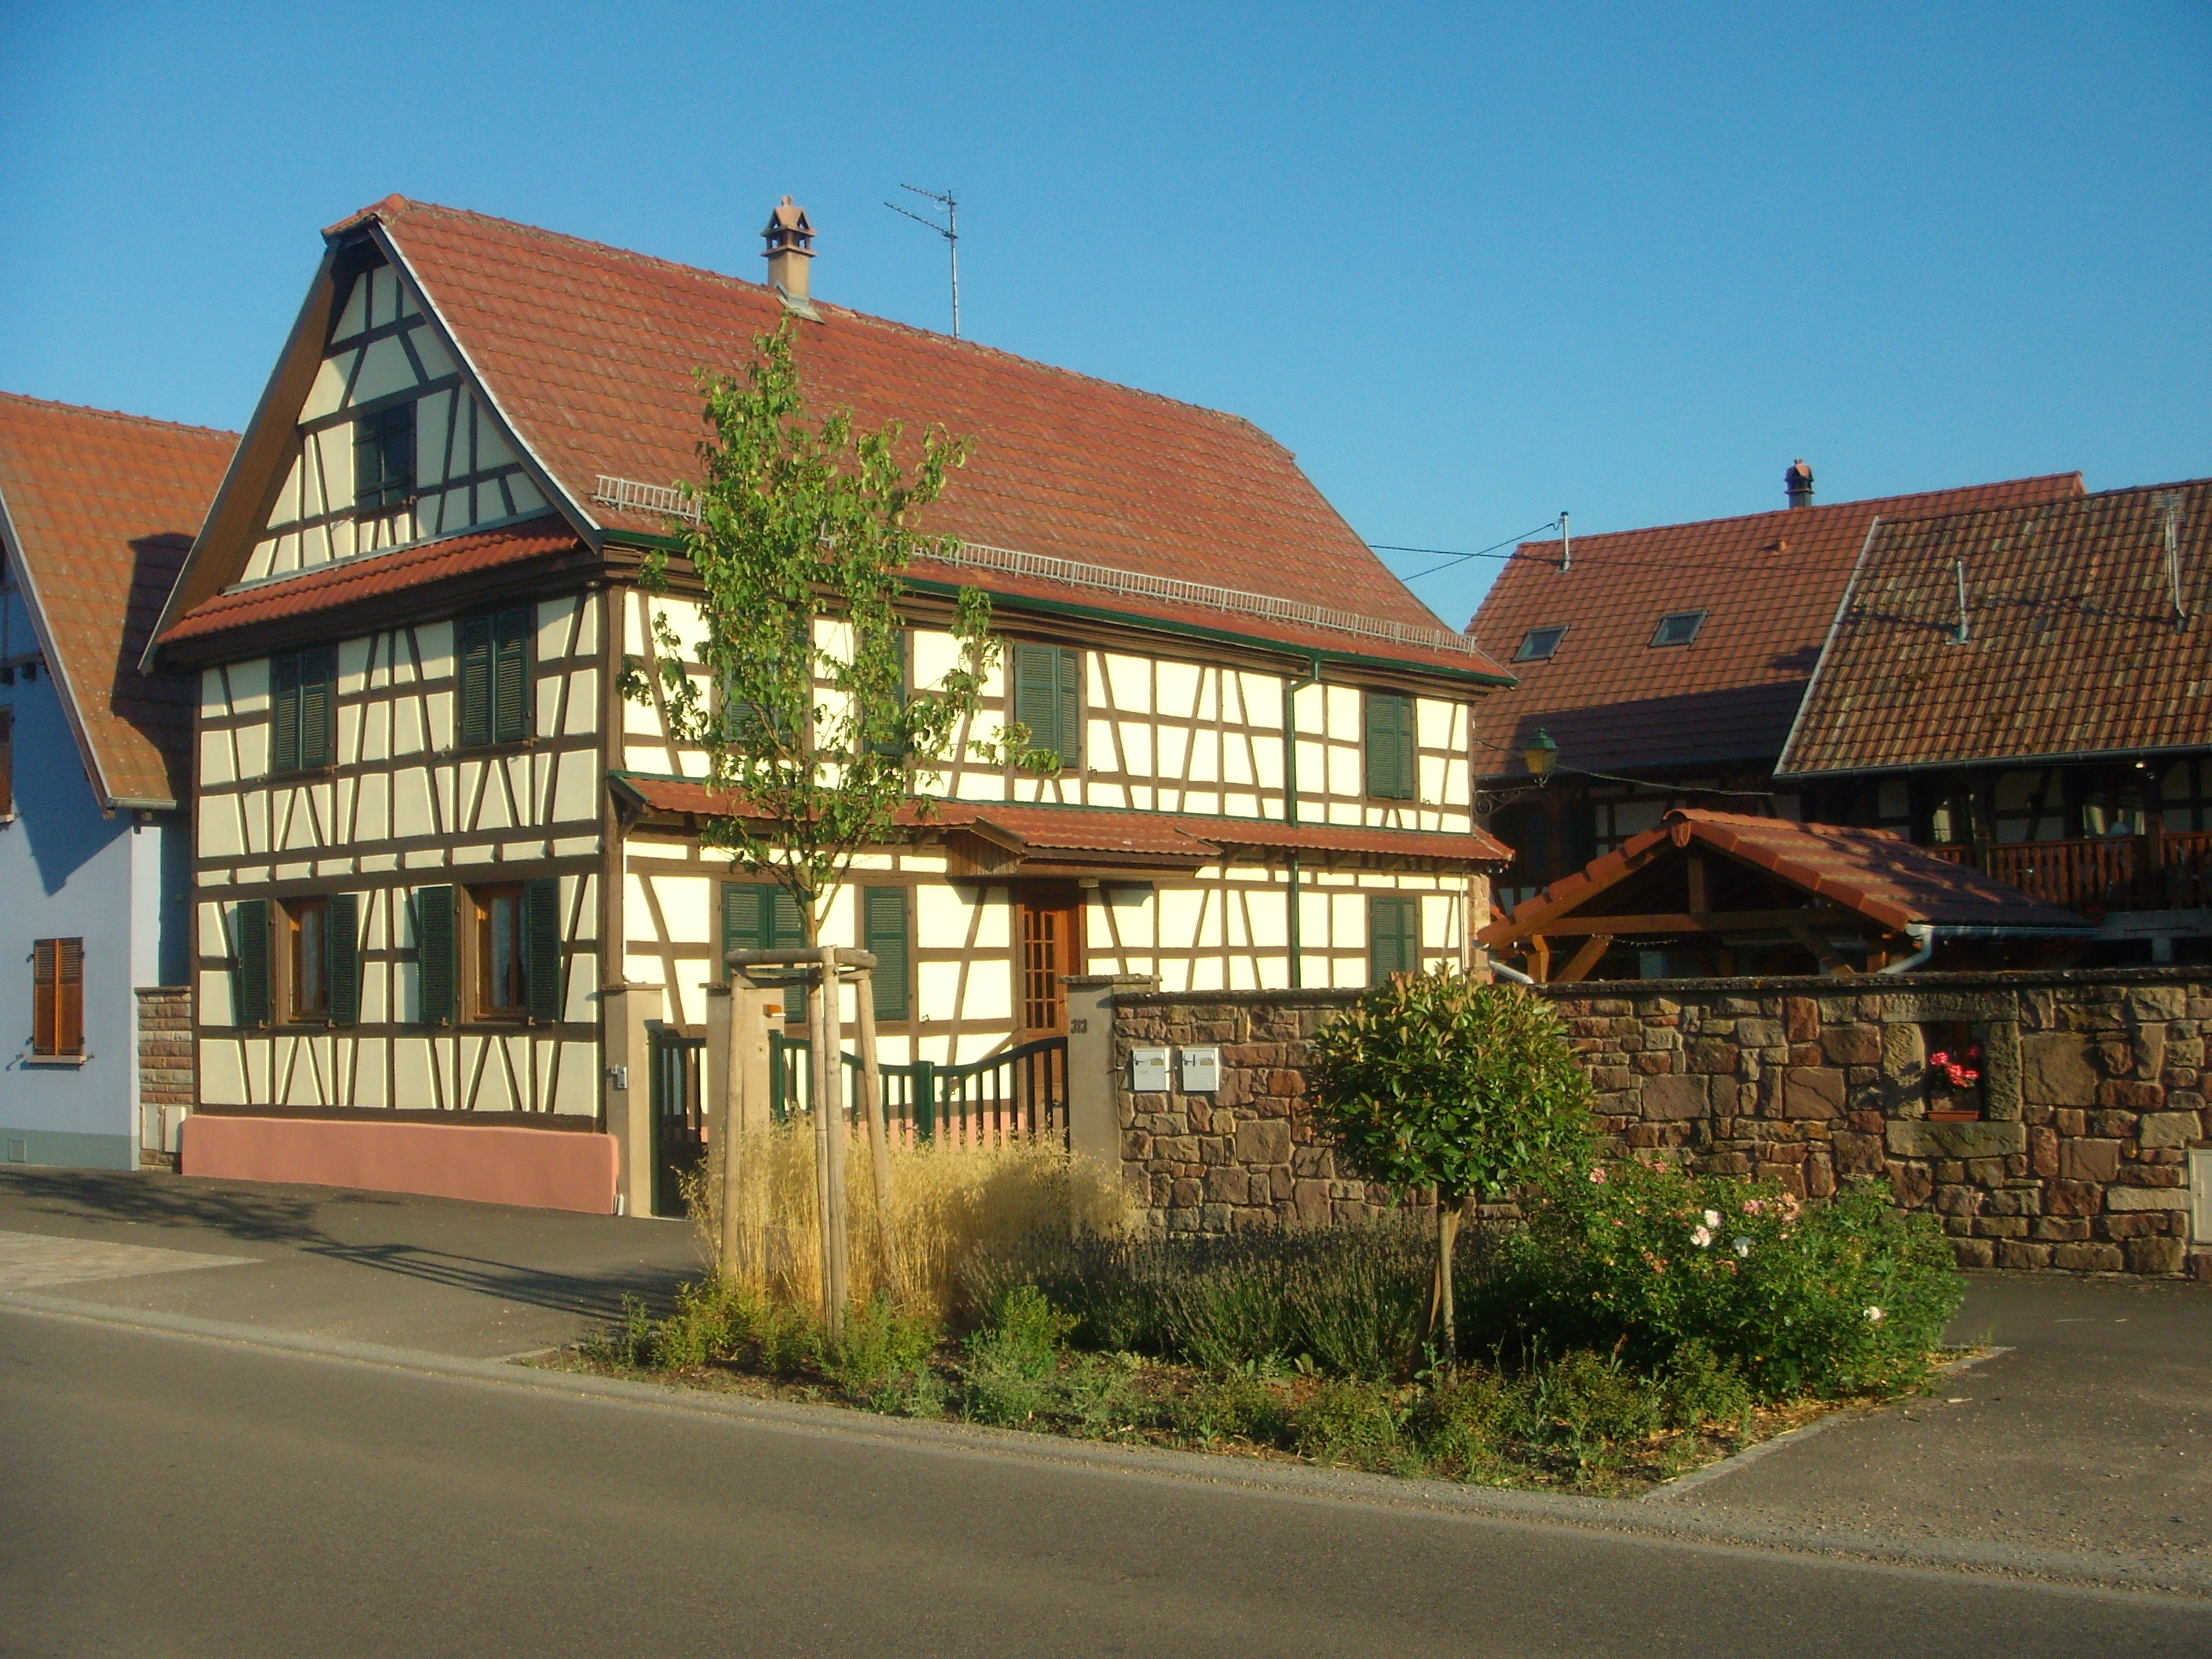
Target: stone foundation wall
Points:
(169, 1078)
(2091, 1094)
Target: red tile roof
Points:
(102, 509)
(2072, 647)
(1099, 830)
(1769, 584)
(1873, 873)
(327, 587)
(590, 352)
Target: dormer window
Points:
(1681, 627)
(1538, 644)
(384, 458)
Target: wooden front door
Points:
(1051, 944)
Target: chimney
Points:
(1798, 480)
(790, 246)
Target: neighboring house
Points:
(1728, 893)
(96, 511)
(1671, 658)
(444, 871)
(2028, 689)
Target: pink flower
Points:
(1712, 1217)
(1874, 1316)
(1597, 1177)
(1754, 1207)
(1701, 1236)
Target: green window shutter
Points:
(1394, 937)
(883, 931)
(1390, 746)
(434, 942)
(541, 933)
(740, 920)
(249, 965)
(510, 676)
(764, 916)
(342, 954)
(1037, 695)
(473, 672)
(1069, 740)
(284, 713)
(317, 703)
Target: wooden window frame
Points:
(58, 998)
(1383, 776)
(305, 974)
(378, 487)
(493, 704)
(483, 949)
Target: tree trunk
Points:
(1444, 1319)
(879, 1130)
(828, 1070)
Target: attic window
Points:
(384, 458)
(1681, 627)
(1538, 644)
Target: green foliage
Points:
(1343, 1301)
(1011, 1361)
(798, 689)
(1845, 1297)
(881, 1359)
(1442, 1081)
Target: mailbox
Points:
(1148, 1070)
(1201, 1069)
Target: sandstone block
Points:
(1813, 1092)
(2056, 1069)
(1853, 1045)
(1263, 1140)
(2059, 1231)
(2125, 1199)
(1676, 1095)
(2156, 1255)
(2013, 1253)
(1974, 1252)
(2168, 1128)
(2088, 1258)
(1918, 1138)
(1800, 1019)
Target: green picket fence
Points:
(1018, 1094)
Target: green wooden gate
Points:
(1018, 1094)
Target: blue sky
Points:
(1473, 264)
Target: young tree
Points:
(1440, 1080)
(797, 687)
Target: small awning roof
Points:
(991, 837)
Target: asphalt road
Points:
(167, 1495)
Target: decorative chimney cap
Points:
(788, 230)
(1798, 483)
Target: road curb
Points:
(1628, 1519)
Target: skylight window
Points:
(1538, 644)
(1678, 629)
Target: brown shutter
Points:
(44, 955)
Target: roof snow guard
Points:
(633, 497)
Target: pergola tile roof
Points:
(102, 509)
(1871, 872)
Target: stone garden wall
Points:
(2069, 1150)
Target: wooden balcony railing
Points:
(2169, 871)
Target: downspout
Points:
(1512, 974)
(1924, 936)
(1291, 810)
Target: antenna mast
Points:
(950, 230)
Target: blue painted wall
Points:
(67, 871)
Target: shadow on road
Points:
(279, 1217)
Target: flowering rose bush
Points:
(1840, 1297)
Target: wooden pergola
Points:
(1733, 894)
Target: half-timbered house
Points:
(445, 872)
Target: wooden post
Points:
(729, 1127)
(830, 1141)
(880, 1127)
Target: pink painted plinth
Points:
(539, 1168)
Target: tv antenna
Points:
(950, 230)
